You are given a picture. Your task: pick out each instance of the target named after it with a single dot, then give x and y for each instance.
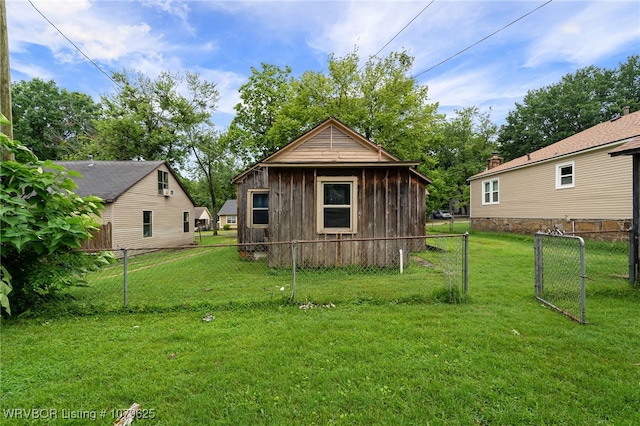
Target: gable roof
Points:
(230, 207)
(617, 130)
(200, 211)
(331, 141)
(332, 144)
(110, 179)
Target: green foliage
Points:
(41, 222)
(215, 168)
(466, 141)
(379, 99)
(53, 123)
(226, 227)
(590, 96)
(263, 97)
(150, 119)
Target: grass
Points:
(212, 275)
(501, 359)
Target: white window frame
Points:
(163, 181)
(250, 207)
(559, 176)
(185, 222)
(491, 191)
(232, 219)
(150, 224)
(351, 180)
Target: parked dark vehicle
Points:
(441, 214)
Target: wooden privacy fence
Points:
(100, 240)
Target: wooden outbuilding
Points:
(331, 185)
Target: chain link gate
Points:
(560, 273)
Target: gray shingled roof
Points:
(230, 207)
(108, 179)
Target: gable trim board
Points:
(596, 195)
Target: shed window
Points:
(163, 181)
(565, 175)
(232, 220)
(147, 224)
(490, 191)
(258, 208)
(185, 221)
(337, 205)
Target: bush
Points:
(226, 227)
(41, 223)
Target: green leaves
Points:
(378, 99)
(151, 119)
(581, 100)
(53, 123)
(41, 222)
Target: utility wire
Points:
(404, 28)
(480, 41)
(74, 45)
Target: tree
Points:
(378, 99)
(41, 223)
(590, 96)
(467, 141)
(151, 119)
(215, 166)
(53, 123)
(263, 96)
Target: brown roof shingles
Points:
(616, 130)
(631, 147)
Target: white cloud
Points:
(584, 36)
(228, 83)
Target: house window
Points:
(147, 224)
(565, 177)
(490, 191)
(185, 221)
(232, 220)
(258, 208)
(337, 205)
(163, 181)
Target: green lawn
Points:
(502, 358)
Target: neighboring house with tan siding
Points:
(145, 204)
(228, 214)
(202, 219)
(573, 184)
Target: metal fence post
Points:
(537, 256)
(583, 277)
(294, 244)
(633, 258)
(465, 263)
(125, 289)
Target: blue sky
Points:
(222, 40)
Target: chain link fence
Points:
(560, 274)
(568, 267)
(401, 270)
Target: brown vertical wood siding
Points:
(390, 203)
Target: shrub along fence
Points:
(226, 274)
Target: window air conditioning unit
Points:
(166, 192)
